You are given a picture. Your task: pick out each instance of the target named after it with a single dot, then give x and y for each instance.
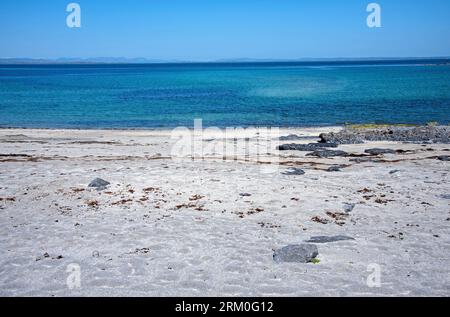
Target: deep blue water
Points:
(240, 94)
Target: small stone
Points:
(294, 171)
(335, 168)
(298, 253)
(290, 137)
(445, 158)
(305, 147)
(326, 239)
(394, 172)
(99, 184)
(377, 151)
(245, 194)
(445, 196)
(327, 153)
(348, 207)
(361, 159)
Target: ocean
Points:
(290, 94)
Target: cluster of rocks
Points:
(422, 134)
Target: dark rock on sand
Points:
(290, 137)
(348, 207)
(394, 171)
(305, 147)
(245, 194)
(294, 171)
(299, 253)
(422, 134)
(335, 168)
(445, 196)
(445, 158)
(377, 151)
(99, 184)
(361, 159)
(327, 153)
(325, 239)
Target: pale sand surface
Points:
(143, 236)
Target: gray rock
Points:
(445, 196)
(361, 159)
(327, 153)
(445, 158)
(305, 147)
(377, 151)
(326, 239)
(245, 194)
(99, 184)
(299, 253)
(348, 207)
(290, 137)
(335, 168)
(394, 171)
(294, 171)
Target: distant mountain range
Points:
(141, 60)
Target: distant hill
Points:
(141, 60)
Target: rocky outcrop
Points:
(422, 134)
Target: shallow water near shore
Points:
(247, 94)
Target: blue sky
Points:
(213, 29)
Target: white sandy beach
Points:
(177, 226)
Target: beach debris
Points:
(378, 151)
(296, 253)
(196, 197)
(245, 194)
(293, 171)
(348, 207)
(327, 153)
(92, 203)
(99, 184)
(140, 251)
(150, 189)
(122, 201)
(445, 158)
(327, 239)
(305, 147)
(268, 225)
(394, 172)
(320, 220)
(11, 199)
(338, 217)
(46, 256)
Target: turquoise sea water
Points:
(247, 94)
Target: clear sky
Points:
(217, 29)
